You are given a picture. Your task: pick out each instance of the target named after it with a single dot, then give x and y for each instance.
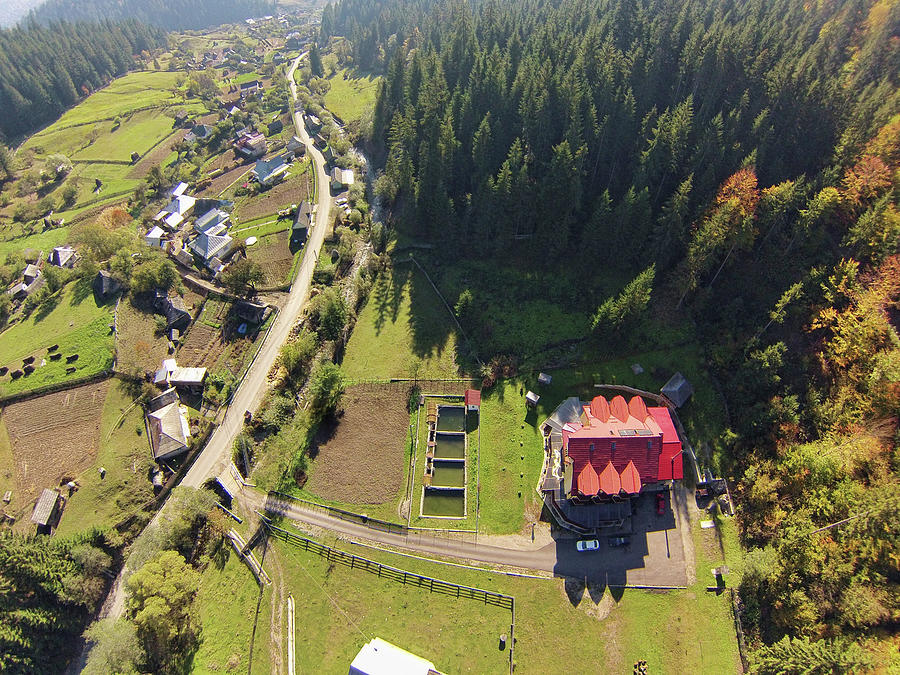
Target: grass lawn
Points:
(74, 321)
(41, 241)
(135, 90)
(260, 227)
(349, 96)
(389, 340)
(339, 609)
(136, 134)
(235, 623)
(125, 454)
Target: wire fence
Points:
(448, 386)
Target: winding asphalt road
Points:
(216, 456)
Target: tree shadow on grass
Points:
(83, 289)
(387, 294)
(430, 322)
(47, 307)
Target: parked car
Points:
(618, 541)
(587, 545)
(660, 503)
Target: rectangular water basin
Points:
(449, 446)
(447, 503)
(451, 418)
(449, 474)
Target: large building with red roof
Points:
(607, 452)
(617, 448)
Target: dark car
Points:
(660, 503)
(618, 541)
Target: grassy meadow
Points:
(74, 321)
(235, 625)
(339, 610)
(390, 340)
(125, 454)
(349, 96)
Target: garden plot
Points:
(273, 253)
(54, 437)
(213, 340)
(361, 459)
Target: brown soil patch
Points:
(54, 436)
(273, 253)
(361, 462)
(205, 346)
(138, 348)
(292, 191)
(222, 182)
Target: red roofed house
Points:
(616, 449)
(472, 399)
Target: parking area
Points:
(651, 549)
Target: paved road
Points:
(652, 559)
(216, 456)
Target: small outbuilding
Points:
(472, 399)
(544, 379)
(155, 237)
(31, 273)
(531, 399)
(62, 256)
(106, 285)
(678, 390)
(46, 511)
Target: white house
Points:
(341, 178)
(155, 237)
(176, 211)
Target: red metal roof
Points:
(636, 443)
(609, 480)
(588, 483)
(472, 397)
(631, 479)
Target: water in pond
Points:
(449, 474)
(451, 418)
(449, 446)
(444, 503)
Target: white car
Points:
(587, 545)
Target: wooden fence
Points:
(422, 581)
(393, 573)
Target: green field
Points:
(42, 241)
(390, 341)
(125, 454)
(235, 623)
(349, 97)
(143, 89)
(339, 610)
(145, 102)
(75, 322)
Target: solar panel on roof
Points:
(627, 432)
(645, 432)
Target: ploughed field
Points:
(361, 461)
